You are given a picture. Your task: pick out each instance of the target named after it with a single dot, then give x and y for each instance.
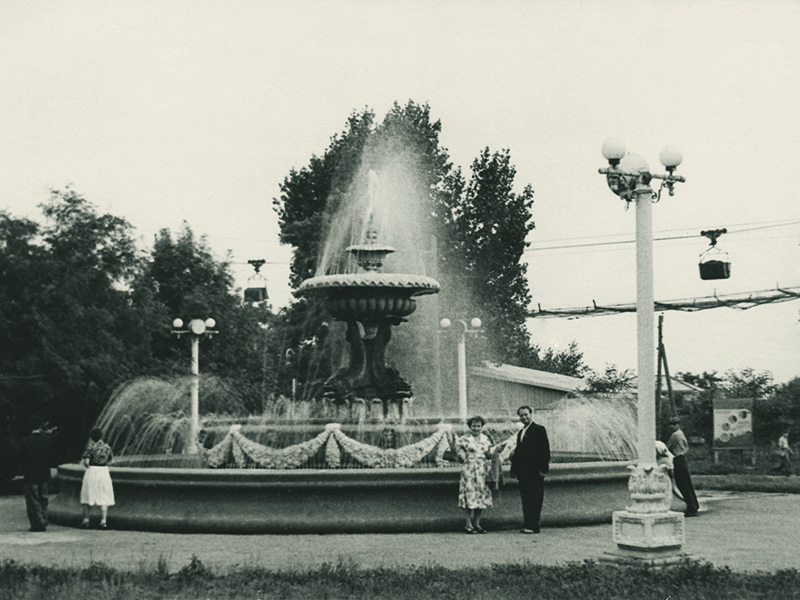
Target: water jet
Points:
(360, 472)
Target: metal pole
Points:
(194, 406)
(437, 339)
(462, 375)
(661, 413)
(663, 352)
(644, 325)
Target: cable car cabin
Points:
(256, 290)
(714, 264)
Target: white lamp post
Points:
(462, 359)
(647, 531)
(197, 328)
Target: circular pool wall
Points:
(333, 501)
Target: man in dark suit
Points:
(36, 455)
(530, 463)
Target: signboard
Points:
(733, 423)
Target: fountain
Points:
(370, 303)
(384, 472)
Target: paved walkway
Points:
(744, 531)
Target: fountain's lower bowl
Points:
(332, 501)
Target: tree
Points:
(706, 381)
(697, 410)
(481, 225)
(311, 197)
(774, 407)
(486, 225)
(70, 332)
(611, 381)
(183, 280)
(305, 194)
(779, 411)
(747, 383)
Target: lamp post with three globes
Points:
(648, 531)
(196, 328)
(629, 177)
(462, 359)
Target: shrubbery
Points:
(575, 581)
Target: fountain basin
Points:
(236, 501)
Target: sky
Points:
(170, 111)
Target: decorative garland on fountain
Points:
(272, 458)
(217, 456)
(244, 451)
(405, 457)
(333, 458)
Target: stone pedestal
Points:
(648, 532)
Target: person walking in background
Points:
(530, 462)
(784, 454)
(97, 489)
(679, 446)
(475, 453)
(37, 450)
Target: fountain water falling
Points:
(264, 474)
(370, 302)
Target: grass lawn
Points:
(736, 482)
(690, 580)
(737, 473)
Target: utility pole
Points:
(670, 410)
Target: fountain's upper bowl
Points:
(405, 284)
(370, 295)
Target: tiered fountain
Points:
(337, 479)
(370, 303)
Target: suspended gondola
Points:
(256, 290)
(714, 262)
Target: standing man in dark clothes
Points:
(679, 446)
(530, 463)
(36, 453)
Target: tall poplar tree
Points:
(486, 228)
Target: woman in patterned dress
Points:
(475, 452)
(97, 488)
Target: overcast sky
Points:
(174, 110)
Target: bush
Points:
(689, 579)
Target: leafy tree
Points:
(71, 333)
(310, 196)
(566, 362)
(612, 380)
(747, 383)
(779, 411)
(20, 375)
(774, 407)
(305, 194)
(706, 381)
(486, 225)
(696, 410)
(481, 225)
(183, 280)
